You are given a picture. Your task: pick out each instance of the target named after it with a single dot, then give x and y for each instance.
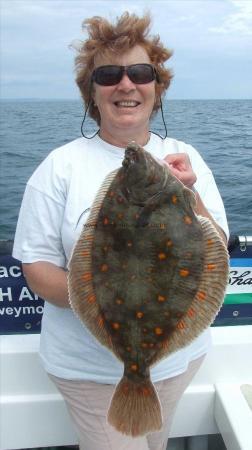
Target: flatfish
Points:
(146, 277)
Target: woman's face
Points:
(125, 108)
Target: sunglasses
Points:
(111, 75)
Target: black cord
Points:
(162, 112)
(84, 118)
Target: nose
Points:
(126, 84)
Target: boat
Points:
(33, 413)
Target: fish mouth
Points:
(129, 159)
(131, 155)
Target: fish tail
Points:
(135, 409)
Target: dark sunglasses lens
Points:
(108, 76)
(141, 73)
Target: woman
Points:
(122, 101)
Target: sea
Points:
(221, 130)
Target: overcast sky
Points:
(211, 40)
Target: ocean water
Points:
(221, 130)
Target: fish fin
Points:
(80, 286)
(189, 197)
(135, 409)
(209, 297)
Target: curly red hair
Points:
(106, 38)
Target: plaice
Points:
(146, 277)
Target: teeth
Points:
(127, 103)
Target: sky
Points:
(211, 42)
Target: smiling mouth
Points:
(127, 104)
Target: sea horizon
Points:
(219, 129)
(79, 98)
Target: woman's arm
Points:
(48, 281)
(201, 210)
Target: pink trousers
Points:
(88, 403)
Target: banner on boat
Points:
(20, 309)
(237, 307)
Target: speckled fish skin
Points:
(137, 268)
(147, 262)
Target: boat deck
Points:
(33, 413)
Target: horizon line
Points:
(79, 99)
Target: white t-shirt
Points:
(51, 218)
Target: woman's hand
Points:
(180, 166)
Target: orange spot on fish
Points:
(86, 253)
(146, 391)
(111, 194)
(184, 272)
(161, 298)
(187, 220)
(100, 321)
(162, 226)
(134, 367)
(105, 221)
(87, 276)
(201, 295)
(125, 389)
(174, 199)
(191, 312)
(104, 268)
(143, 390)
(115, 325)
(91, 298)
(211, 266)
(159, 331)
(129, 348)
(181, 325)
(161, 256)
(119, 301)
(144, 345)
(168, 243)
(210, 242)
(139, 315)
